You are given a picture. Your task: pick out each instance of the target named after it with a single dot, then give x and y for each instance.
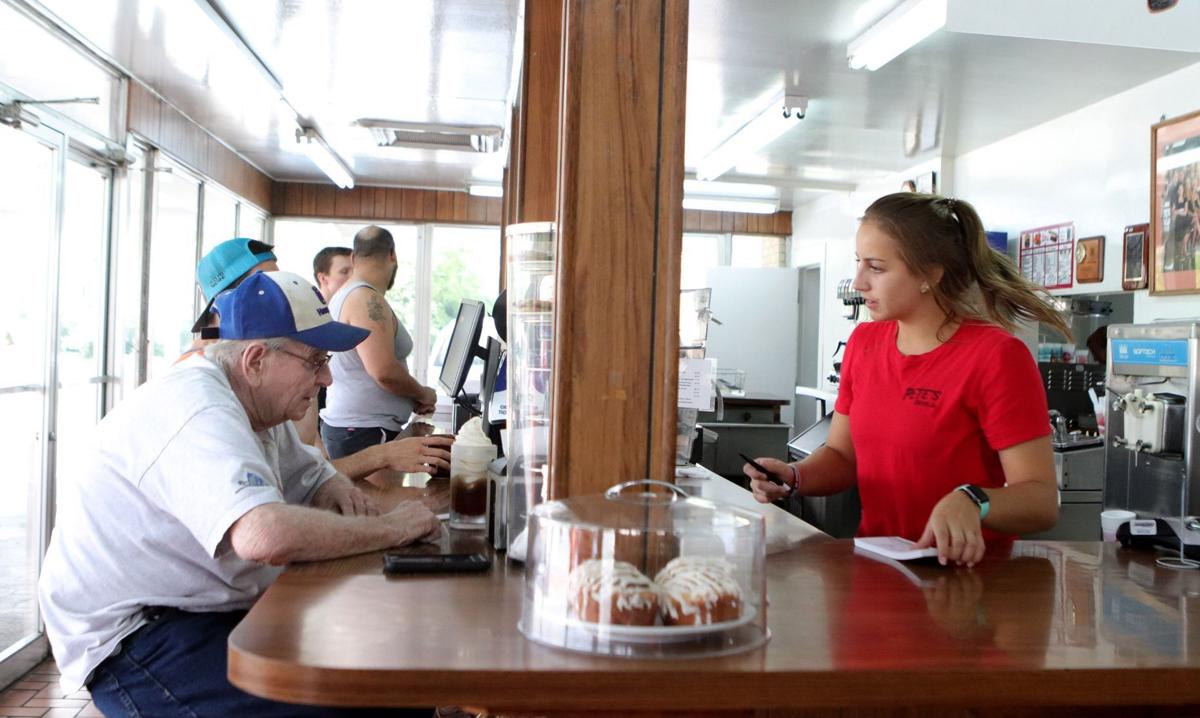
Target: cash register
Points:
(836, 515)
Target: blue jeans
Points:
(176, 667)
(341, 442)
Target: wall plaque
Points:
(1089, 260)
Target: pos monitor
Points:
(493, 391)
(461, 353)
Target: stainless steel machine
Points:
(1153, 433)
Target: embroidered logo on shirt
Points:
(251, 479)
(927, 398)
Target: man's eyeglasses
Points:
(315, 364)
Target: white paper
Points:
(893, 547)
(695, 384)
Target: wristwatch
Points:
(977, 495)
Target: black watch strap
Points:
(978, 495)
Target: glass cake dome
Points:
(645, 571)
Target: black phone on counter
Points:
(398, 563)
(762, 469)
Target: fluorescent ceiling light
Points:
(698, 188)
(485, 190)
(433, 136)
(732, 204)
(324, 157)
(900, 29)
(730, 197)
(759, 132)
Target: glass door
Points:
(30, 197)
(81, 315)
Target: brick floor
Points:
(37, 694)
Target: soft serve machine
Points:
(1153, 433)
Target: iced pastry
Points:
(699, 590)
(612, 592)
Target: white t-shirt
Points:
(170, 470)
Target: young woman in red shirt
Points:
(941, 418)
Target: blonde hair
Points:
(977, 282)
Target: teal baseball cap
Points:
(224, 265)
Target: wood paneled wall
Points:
(297, 199)
(164, 127)
(698, 220)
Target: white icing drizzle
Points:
(601, 580)
(692, 582)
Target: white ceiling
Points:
(996, 69)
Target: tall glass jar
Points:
(530, 357)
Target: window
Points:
(465, 265)
(252, 223)
(439, 265)
(758, 250)
(704, 251)
(700, 251)
(172, 299)
(298, 241)
(39, 64)
(220, 217)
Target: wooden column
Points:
(541, 81)
(620, 237)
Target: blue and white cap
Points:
(281, 304)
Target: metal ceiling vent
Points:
(434, 136)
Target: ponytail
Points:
(933, 231)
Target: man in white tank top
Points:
(373, 394)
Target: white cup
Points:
(1111, 519)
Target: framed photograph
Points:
(1175, 205)
(1089, 260)
(1135, 257)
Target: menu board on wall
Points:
(1047, 255)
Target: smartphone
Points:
(759, 467)
(395, 563)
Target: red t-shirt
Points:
(923, 425)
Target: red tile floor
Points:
(38, 694)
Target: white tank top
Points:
(355, 399)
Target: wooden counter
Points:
(1049, 624)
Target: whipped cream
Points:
(471, 434)
(471, 451)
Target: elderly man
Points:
(198, 492)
